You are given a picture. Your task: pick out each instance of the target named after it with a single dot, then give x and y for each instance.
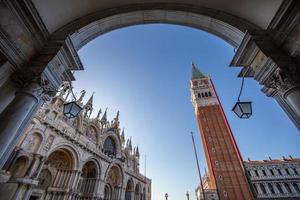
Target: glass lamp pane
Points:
(75, 109)
(67, 107)
(71, 109)
(237, 110)
(243, 109)
(246, 107)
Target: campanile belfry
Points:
(225, 166)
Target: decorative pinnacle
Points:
(90, 101)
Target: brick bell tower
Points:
(225, 164)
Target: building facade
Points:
(206, 190)
(275, 179)
(269, 179)
(79, 158)
(225, 166)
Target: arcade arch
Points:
(58, 39)
(114, 180)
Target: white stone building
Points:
(270, 179)
(80, 158)
(275, 179)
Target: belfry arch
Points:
(45, 60)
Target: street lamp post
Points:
(166, 195)
(187, 195)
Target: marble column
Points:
(33, 165)
(286, 91)
(40, 167)
(16, 116)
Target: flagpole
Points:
(197, 161)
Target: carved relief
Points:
(114, 176)
(48, 142)
(59, 159)
(32, 143)
(279, 81)
(89, 170)
(91, 133)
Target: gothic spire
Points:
(196, 72)
(117, 117)
(130, 144)
(123, 136)
(99, 113)
(137, 153)
(104, 116)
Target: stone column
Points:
(19, 112)
(286, 91)
(122, 193)
(40, 167)
(15, 117)
(33, 165)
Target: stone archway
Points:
(137, 192)
(129, 193)
(114, 179)
(58, 172)
(89, 179)
(18, 169)
(107, 192)
(49, 47)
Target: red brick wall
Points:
(222, 155)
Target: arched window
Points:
(109, 147)
(249, 173)
(271, 188)
(202, 94)
(264, 172)
(263, 189)
(279, 171)
(209, 93)
(199, 96)
(287, 171)
(287, 187)
(255, 188)
(206, 95)
(272, 172)
(295, 171)
(279, 188)
(296, 187)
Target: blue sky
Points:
(144, 72)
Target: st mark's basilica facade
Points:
(81, 158)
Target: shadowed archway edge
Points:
(226, 26)
(80, 32)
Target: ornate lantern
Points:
(243, 109)
(71, 109)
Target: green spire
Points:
(196, 73)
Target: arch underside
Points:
(227, 32)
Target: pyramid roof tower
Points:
(196, 74)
